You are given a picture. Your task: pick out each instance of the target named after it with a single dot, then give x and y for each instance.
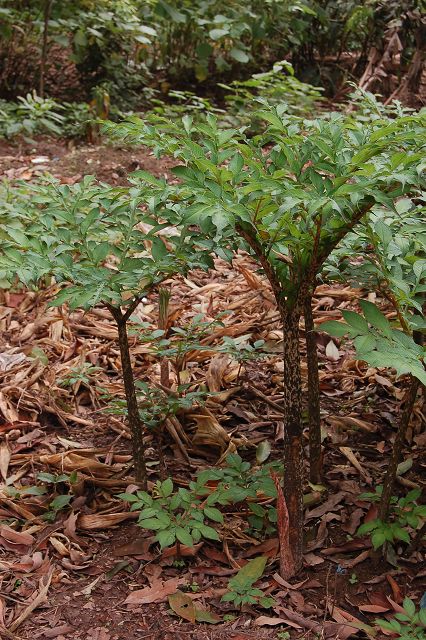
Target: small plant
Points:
(62, 485)
(241, 350)
(410, 625)
(283, 635)
(405, 516)
(62, 500)
(177, 516)
(239, 482)
(30, 115)
(156, 405)
(88, 236)
(228, 617)
(179, 342)
(241, 586)
(79, 375)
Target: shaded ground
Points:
(70, 162)
(93, 553)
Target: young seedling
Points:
(177, 516)
(241, 589)
(239, 482)
(409, 625)
(403, 520)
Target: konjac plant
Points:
(102, 246)
(393, 247)
(288, 196)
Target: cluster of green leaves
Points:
(176, 516)
(239, 482)
(404, 519)
(377, 343)
(88, 235)
(178, 343)
(241, 589)
(62, 485)
(279, 86)
(241, 350)
(156, 405)
(173, 513)
(409, 625)
(128, 44)
(297, 181)
(29, 116)
(212, 37)
(84, 374)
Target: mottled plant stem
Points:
(293, 431)
(133, 417)
(314, 414)
(404, 422)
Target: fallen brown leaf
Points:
(158, 592)
(182, 605)
(262, 621)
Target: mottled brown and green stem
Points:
(133, 416)
(293, 432)
(404, 423)
(314, 413)
(290, 313)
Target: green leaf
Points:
(166, 538)
(249, 574)
(209, 532)
(201, 615)
(404, 466)
(149, 512)
(334, 328)
(367, 527)
(375, 317)
(239, 55)
(43, 476)
(364, 344)
(409, 607)
(184, 537)
(217, 34)
(263, 451)
(38, 354)
(378, 539)
(60, 502)
(213, 514)
(401, 534)
(151, 523)
(167, 488)
(356, 321)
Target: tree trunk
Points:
(314, 413)
(131, 400)
(293, 450)
(390, 477)
(410, 88)
(46, 18)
